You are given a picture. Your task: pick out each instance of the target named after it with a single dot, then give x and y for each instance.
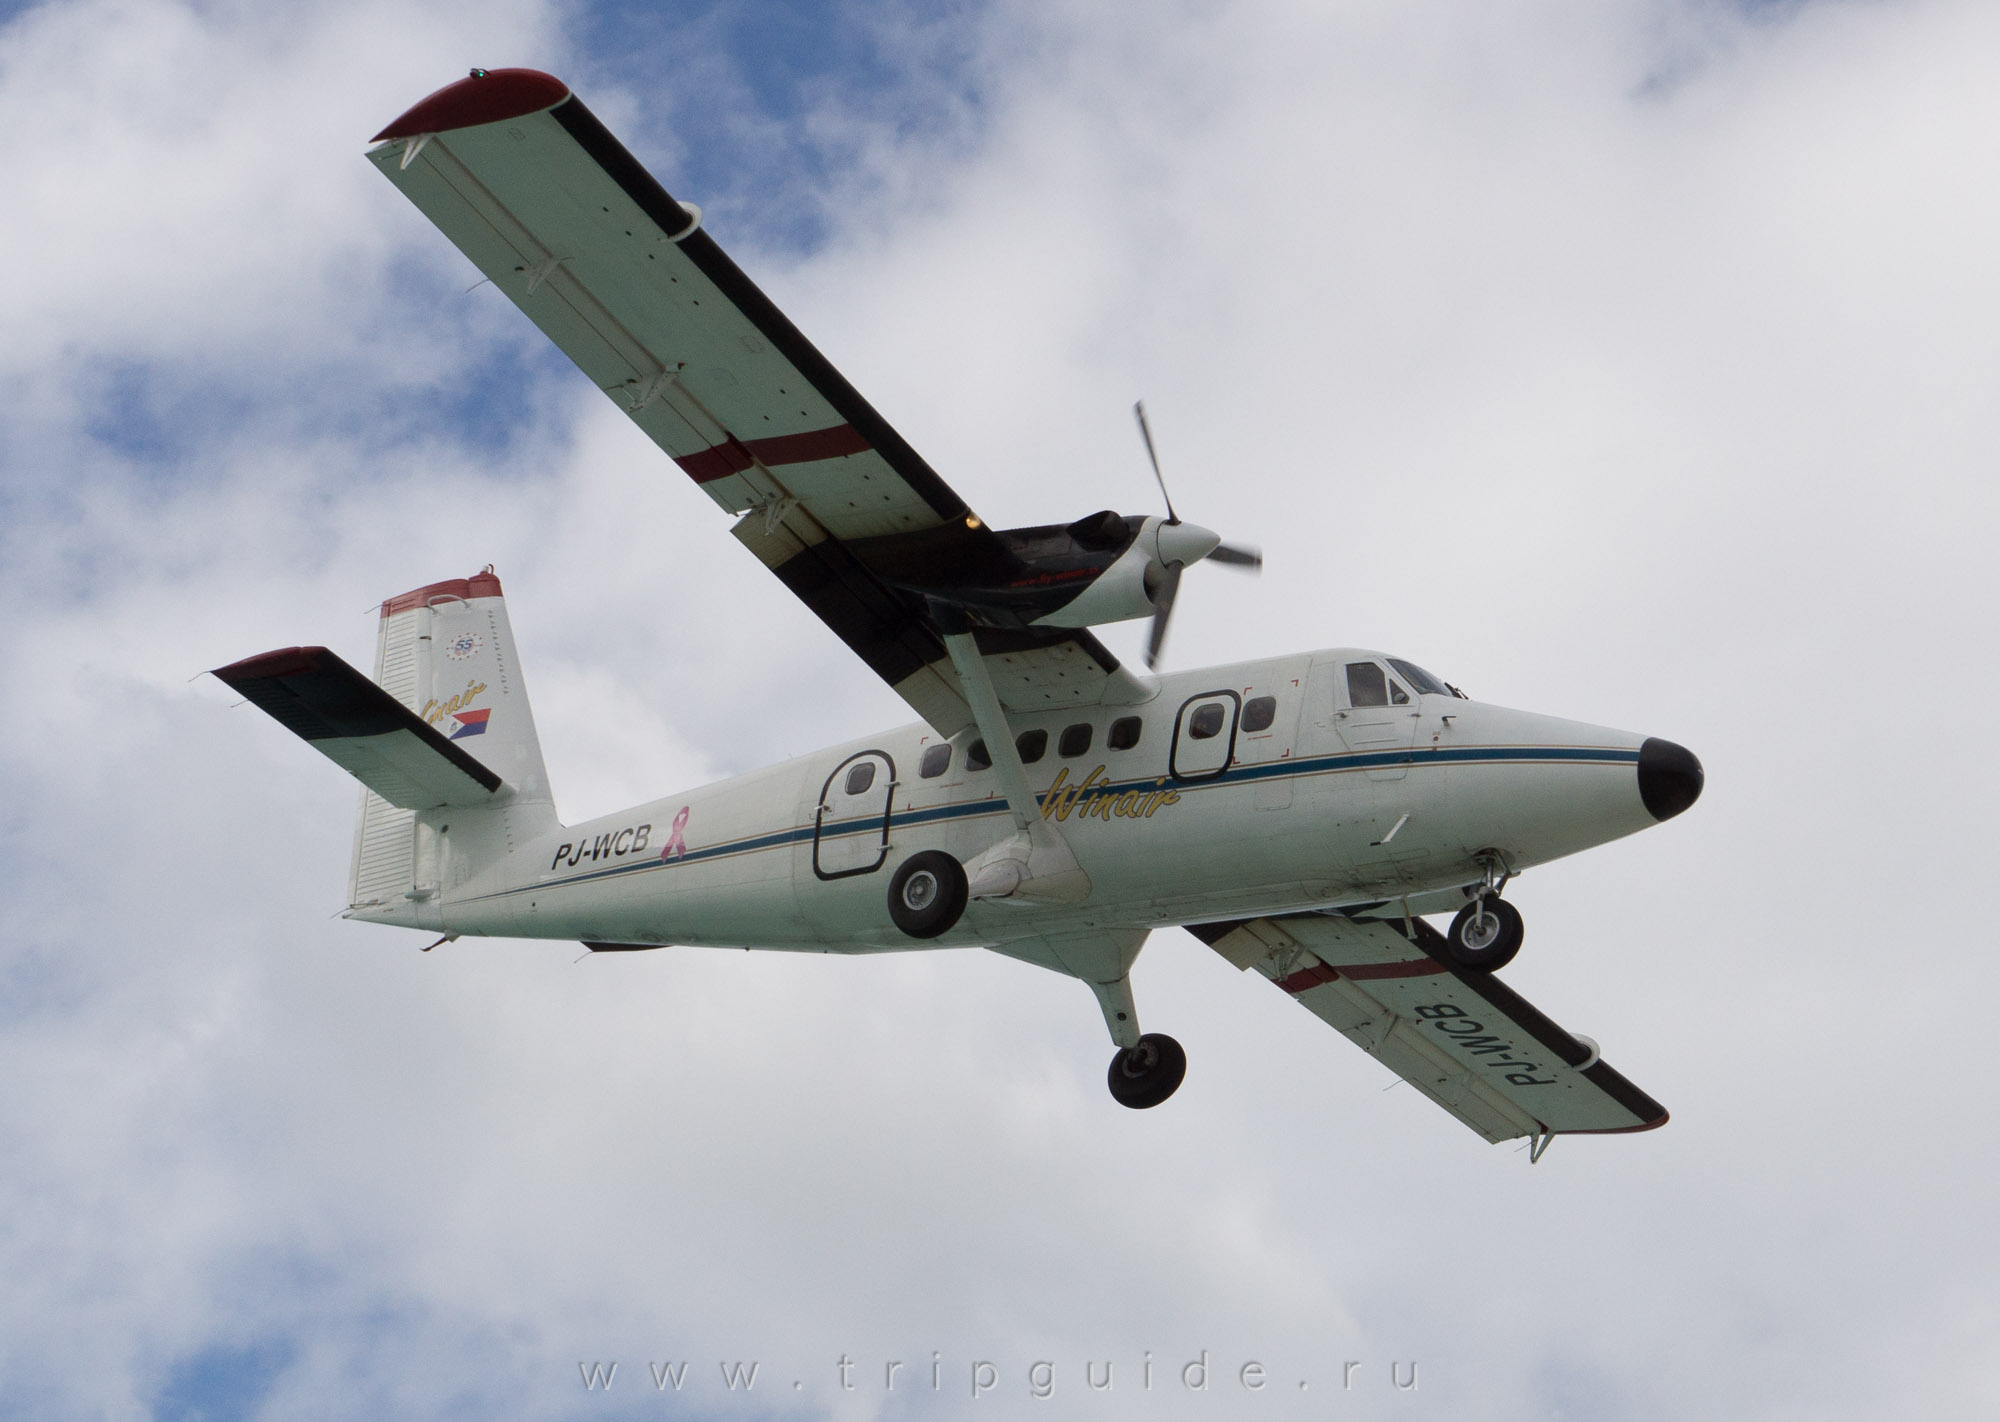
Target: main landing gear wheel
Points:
(1486, 935)
(927, 894)
(1147, 1074)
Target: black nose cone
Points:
(1669, 778)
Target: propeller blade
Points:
(1237, 556)
(1146, 433)
(1163, 608)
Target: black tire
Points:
(1488, 940)
(927, 894)
(1147, 1074)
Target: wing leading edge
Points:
(1464, 1039)
(526, 181)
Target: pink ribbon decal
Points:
(675, 847)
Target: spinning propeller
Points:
(1179, 544)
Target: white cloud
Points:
(1625, 363)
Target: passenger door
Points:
(851, 828)
(1204, 736)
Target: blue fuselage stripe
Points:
(1237, 774)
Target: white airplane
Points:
(1300, 815)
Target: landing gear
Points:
(1148, 1073)
(1486, 934)
(927, 894)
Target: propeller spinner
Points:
(1179, 544)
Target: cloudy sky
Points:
(1631, 362)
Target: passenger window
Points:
(1032, 745)
(1124, 733)
(1206, 721)
(936, 761)
(1075, 741)
(861, 777)
(976, 757)
(1259, 712)
(1367, 685)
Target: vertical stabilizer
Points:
(446, 651)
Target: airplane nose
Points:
(1670, 778)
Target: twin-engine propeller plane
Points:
(1300, 815)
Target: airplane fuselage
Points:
(1294, 798)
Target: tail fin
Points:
(452, 744)
(446, 651)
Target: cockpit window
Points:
(1422, 680)
(1396, 693)
(1367, 685)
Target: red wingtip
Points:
(487, 96)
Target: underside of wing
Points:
(561, 218)
(361, 728)
(1462, 1038)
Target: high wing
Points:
(530, 185)
(1464, 1039)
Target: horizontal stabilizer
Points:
(1464, 1039)
(361, 728)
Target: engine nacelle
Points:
(1118, 594)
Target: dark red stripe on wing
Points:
(716, 462)
(1414, 968)
(733, 456)
(1296, 983)
(813, 444)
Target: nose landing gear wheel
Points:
(927, 894)
(1147, 1074)
(1486, 935)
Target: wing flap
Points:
(1464, 1039)
(361, 728)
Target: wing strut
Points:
(1034, 864)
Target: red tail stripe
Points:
(478, 585)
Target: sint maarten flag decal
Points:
(470, 723)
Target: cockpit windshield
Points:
(1422, 680)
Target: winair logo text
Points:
(435, 710)
(615, 845)
(1091, 797)
(1470, 1037)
